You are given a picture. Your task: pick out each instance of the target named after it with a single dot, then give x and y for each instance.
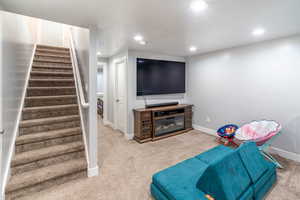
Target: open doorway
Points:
(101, 90)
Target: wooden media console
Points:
(152, 124)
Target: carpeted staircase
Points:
(49, 149)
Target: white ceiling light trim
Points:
(138, 38)
(258, 32)
(198, 5)
(99, 53)
(193, 49)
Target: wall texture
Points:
(238, 85)
(17, 48)
(138, 102)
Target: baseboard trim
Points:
(108, 123)
(92, 172)
(203, 129)
(283, 153)
(129, 136)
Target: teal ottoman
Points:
(222, 172)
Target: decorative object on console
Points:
(160, 122)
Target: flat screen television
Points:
(160, 77)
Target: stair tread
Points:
(49, 97)
(32, 122)
(54, 67)
(49, 107)
(50, 60)
(51, 73)
(49, 88)
(36, 137)
(27, 179)
(50, 55)
(50, 47)
(52, 79)
(47, 152)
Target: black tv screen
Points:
(160, 77)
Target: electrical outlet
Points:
(208, 119)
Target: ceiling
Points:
(169, 26)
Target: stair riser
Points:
(45, 185)
(47, 143)
(49, 75)
(38, 114)
(50, 92)
(43, 83)
(50, 101)
(49, 127)
(50, 48)
(53, 59)
(51, 64)
(51, 56)
(51, 69)
(46, 162)
(52, 51)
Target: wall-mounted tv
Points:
(160, 77)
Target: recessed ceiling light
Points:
(138, 38)
(99, 53)
(142, 42)
(258, 32)
(193, 48)
(198, 5)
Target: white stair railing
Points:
(83, 103)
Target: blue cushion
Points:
(265, 178)
(156, 193)
(259, 195)
(252, 159)
(159, 195)
(248, 195)
(179, 181)
(225, 179)
(214, 154)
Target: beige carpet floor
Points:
(126, 168)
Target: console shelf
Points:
(151, 124)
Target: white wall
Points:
(51, 33)
(17, 48)
(238, 85)
(138, 102)
(92, 90)
(81, 39)
(86, 46)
